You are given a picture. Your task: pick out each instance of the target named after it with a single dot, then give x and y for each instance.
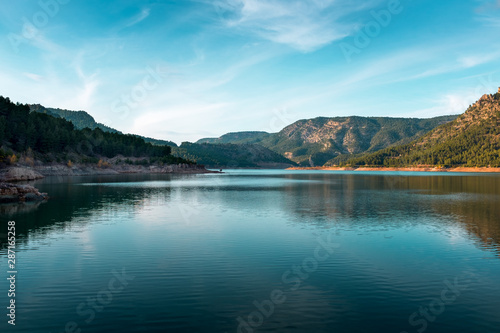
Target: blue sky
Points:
(187, 69)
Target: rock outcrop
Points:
(20, 193)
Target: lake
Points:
(258, 251)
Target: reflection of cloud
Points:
(88, 247)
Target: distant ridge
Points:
(82, 119)
(227, 155)
(237, 138)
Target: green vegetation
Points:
(82, 119)
(472, 140)
(55, 139)
(157, 142)
(320, 141)
(237, 138)
(231, 155)
(316, 141)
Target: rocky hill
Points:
(472, 140)
(313, 142)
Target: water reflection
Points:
(204, 247)
(375, 201)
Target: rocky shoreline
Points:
(11, 193)
(88, 170)
(19, 173)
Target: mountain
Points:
(471, 140)
(237, 138)
(82, 119)
(228, 155)
(319, 140)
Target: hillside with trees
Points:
(48, 138)
(238, 138)
(82, 119)
(314, 142)
(472, 140)
(231, 155)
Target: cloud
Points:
(305, 25)
(488, 12)
(34, 77)
(478, 59)
(448, 104)
(138, 18)
(158, 123)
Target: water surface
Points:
(336, 251)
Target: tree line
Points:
(54, 138)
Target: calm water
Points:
(259, 251)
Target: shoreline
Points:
(21, 173)
(403, 169)
(13, 192)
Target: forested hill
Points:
(472, 140)
(226, 155)
(52, 138)
(313, 142)
(82, 119)
(237, 138)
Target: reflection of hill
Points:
(470, 202)
(8, 210)
(74, 204)
(375, 201)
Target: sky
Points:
(182, 70)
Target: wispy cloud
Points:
(138, 18)
(34, 77)
(488, 13)
(447, 104)
(304, 25)
(131, 21)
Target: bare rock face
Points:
(20, 193)
(19, 174)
